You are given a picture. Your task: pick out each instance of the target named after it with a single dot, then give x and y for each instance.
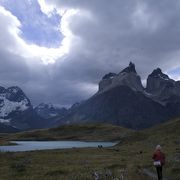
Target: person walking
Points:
(159, 161)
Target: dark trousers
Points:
(159, 172)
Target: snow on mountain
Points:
(49, 110)
(9, 106)
(16, 109)
(12, 99)
(5, 121)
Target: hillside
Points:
(131, 158)
(88, 132)
(120, 106)
(140, 146)
(4, 128)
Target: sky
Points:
(58, 50)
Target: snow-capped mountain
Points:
(16, 109)
(12, 99)
(49, 110)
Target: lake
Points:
(44, 145)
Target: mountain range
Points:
(121, 100)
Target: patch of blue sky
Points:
(37, 28)
(175, 72)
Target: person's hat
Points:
(158, 147)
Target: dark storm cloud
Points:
(106, 36)
(12, 69)
(146, 32)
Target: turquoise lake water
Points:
(43, 145)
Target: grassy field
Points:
(130, 159)
(90, 132)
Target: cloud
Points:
(37, 28)
(47, 9)
(10, 36)
(119, 31)
(145, 20)
(97, 37)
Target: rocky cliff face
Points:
(157, 81)
(127, 77)
(161, 87)
(121, 106)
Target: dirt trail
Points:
(153, 175)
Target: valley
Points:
(131, 158)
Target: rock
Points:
(127, 77)
(120, 106)
(157, 81)
(161, 87)
(130, 69)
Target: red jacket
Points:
(159, 156)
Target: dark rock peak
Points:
(157, 73)
(11, 90)
(130, 68)
(14, 89)
(2, 89)
(16, 94)
(109, 75)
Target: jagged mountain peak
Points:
(12, 89)
(157, 73)
(127, 77)
(157, 70)
(12, 99)
(161, 87)
(131, 68)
